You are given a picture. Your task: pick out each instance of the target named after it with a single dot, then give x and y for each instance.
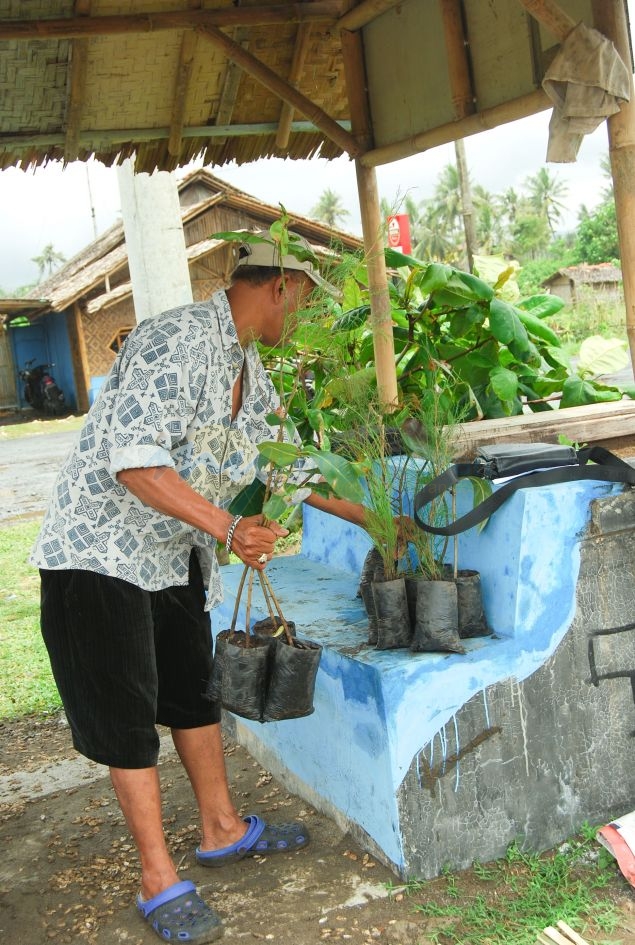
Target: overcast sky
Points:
(53, 205)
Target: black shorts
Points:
(125, 659)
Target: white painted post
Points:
(154, 240)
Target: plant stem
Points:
(249, 593)
(239, 594)
(276, 602)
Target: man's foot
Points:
(178, 913)
(260, 839)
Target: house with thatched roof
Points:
(581, 283)
(80, 315)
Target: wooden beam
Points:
(592, 423)
(300, 50)
(521, 107)
(79, 356)
(551, 15)
(365, 12)
(231, 84)
(609, 17)
(97, 137)
(457, 58)
(263, 74)
(76, 85)
(372, 223)
(76, 27)
(181, 87)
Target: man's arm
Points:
(161, 488)
(342, 508)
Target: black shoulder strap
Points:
(608, 468)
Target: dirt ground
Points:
(69, 870)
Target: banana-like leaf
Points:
(340, 474)
(280, 454)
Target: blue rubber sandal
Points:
(260, 839)
(179, 914)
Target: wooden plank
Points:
(458, 66)
(571, 933)
(365, 12)
(521, 107)
(231, 84)
(595, 423)
(181, 87)
(76, 85)
(551, 15)
(555, 936)
(76, 27)
(267, 77)
(300, 50)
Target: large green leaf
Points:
(504, 383)
(353, 319)
(280, 454)
(340, 474)
(576, 391)
(396, 260)
(505, 324)
(275, 506)
(537, 328)
(433, 277)
(541, 306)
(249, 500)
(600, 355)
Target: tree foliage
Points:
(597, 239)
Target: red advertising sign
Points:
(399, 233)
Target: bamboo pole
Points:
(98, 137)
(76, 27)
(181, 86)
(381, 318)
(458, 65)
(300, 50)
(521, 107)
(609, 18)
(551, 15)
(267, 77)
(372, 228)
(365, 12)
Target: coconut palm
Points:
(545, 193)
(329, 208)
(49, 259)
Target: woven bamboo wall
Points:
(99, 329)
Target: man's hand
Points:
(254, 542)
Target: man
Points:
(127, 549)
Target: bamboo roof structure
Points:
(177, 79)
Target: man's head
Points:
(280, 287)
(265, 255)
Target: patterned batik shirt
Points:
(167, 401)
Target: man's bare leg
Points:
(139, 797)
(201, 751)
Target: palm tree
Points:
(545, 195)
(48, 258)
(329, 208)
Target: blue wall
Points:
(47, 341)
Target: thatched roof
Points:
(236, 82)
(587, 274)
(88, 274)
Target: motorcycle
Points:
(40, 389)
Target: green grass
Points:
(13, 431)
(26, 682)
(510, 901)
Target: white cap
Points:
(267, 254)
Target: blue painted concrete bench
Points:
(434, 760)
